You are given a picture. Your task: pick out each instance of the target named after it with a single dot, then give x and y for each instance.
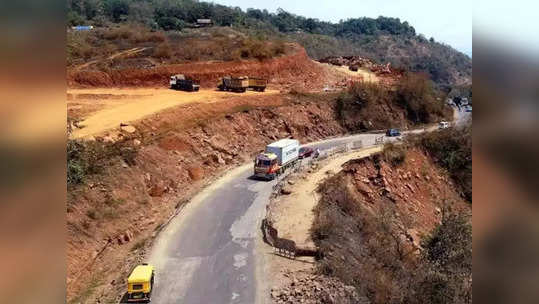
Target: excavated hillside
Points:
(295, 70)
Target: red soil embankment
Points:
(296, 68)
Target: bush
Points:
(447, 263)
(394, 154)
(361, 103)
(163, 50)
(452, 149)
(416, 94)
(255, 49)
(89, 158)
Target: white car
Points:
(443, 125)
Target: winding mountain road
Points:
(209, 253)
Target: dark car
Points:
(393, 132)
(305, 152)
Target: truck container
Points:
(258, 84)
(277, 157)
(235, 84)
(180, 82)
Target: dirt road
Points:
(106, 108)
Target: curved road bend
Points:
(207, 255)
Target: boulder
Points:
(196, 173)
(157, 190)
(128, 129)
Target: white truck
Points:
(277, 157)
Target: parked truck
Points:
(258, 84)
(235, 84)
(180, 82)
(277, 157)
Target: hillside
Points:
(391, 225)
(167, 157)
(382, 39)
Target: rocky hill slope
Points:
(396, 227)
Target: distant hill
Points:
(382, 39)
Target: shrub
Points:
(447, 263)
(252, 48)
(416, 94)
(452, 149)
(88, 158)
(163, 50)
(394, 154)
(361, 103)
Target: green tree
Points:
(116, 9)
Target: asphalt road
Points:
(208, 253)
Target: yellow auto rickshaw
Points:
(140, 284)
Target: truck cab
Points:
(277, 157)
(180, 82)
(266, 166)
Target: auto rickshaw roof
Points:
(141, 274)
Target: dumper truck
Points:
(258, 84)
(180, 82)
(235, 84)
(276, 158)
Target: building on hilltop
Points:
(204, 22)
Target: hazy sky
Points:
(447, 21)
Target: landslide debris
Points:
(355, 62)
(316, 289)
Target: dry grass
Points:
(163, 50)
(394, 154)
(170, 47)
(361, 246)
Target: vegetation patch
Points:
(86, 158)
(394, 154)
(365, 106)
(423, 104)
(452, 149)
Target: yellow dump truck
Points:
(140, 284)
(258, 84)
(235, 84)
